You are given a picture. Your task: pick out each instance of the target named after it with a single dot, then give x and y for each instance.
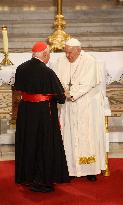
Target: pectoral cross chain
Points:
(69, 85)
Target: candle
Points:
(5, 39)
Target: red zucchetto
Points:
(39, 46)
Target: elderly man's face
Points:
(72, 53)
(46, 55)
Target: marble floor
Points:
(7, 152)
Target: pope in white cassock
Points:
(82, 116)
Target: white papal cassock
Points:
(82, 121)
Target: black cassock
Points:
(39, 150)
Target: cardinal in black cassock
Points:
(39, 152)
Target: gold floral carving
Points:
(6, 101)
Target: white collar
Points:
(38, 59)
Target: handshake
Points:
(68, 96)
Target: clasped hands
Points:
(68, 96)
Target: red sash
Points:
(35, 97)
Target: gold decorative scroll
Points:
(87, 160)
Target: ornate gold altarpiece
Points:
(9, 103)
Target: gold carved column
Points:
(58, 38)
(107, 172)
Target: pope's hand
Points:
(67, 94)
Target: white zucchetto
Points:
(73, 42)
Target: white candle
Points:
(5, 39)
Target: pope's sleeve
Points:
(88, 80)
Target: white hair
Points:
(40, 54)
